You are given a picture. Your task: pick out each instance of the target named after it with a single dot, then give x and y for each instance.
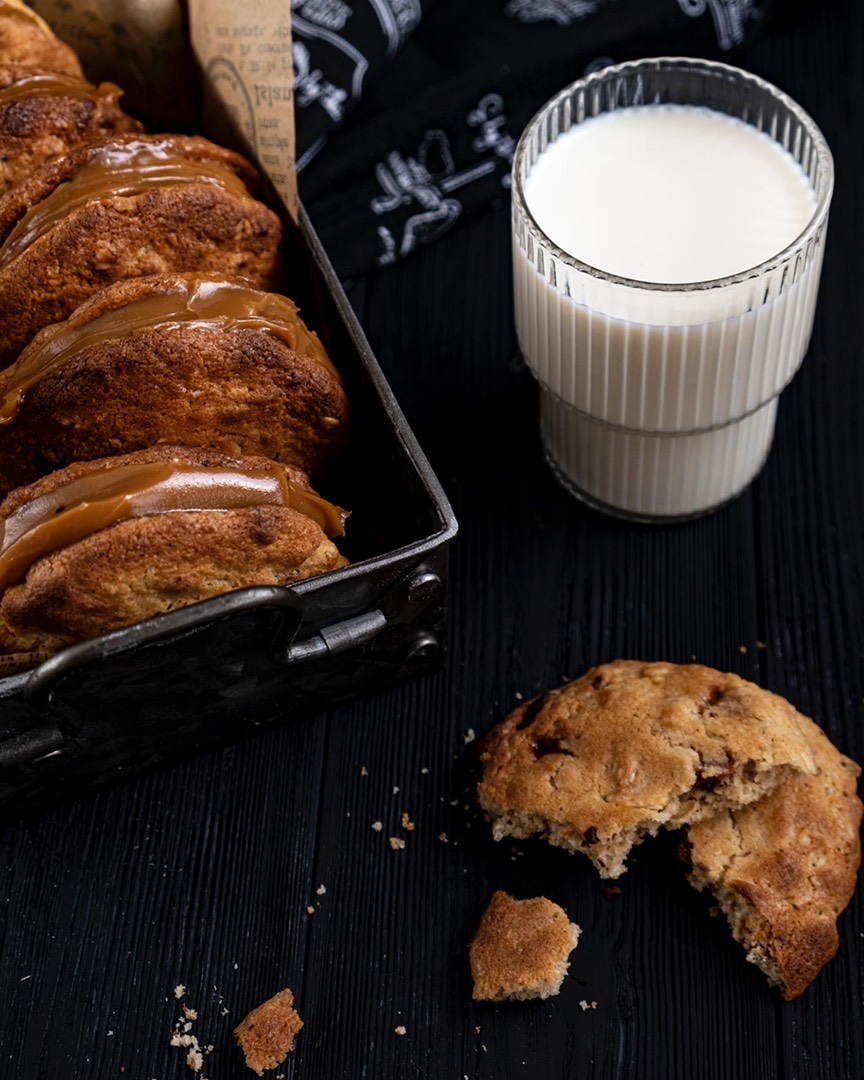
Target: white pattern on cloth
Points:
(563, 12)
(730, 17)
(429, 177)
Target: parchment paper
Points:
(244, 51)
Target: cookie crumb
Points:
(266, 1035)
(521, 949)
(179, 991)
(310, 910)
(742, 649)
(442, 836)
(183, 1036)
(395, 790)
(321, 890)
(401, 1030)
(407, 823)
(518, 695)
(397, 843)
(469, 736)
(364, 771)
(377, 825)
(424, 771)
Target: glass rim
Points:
(671, 63)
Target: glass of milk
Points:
(669, 220)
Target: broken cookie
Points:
(782, 869)
(521, 949)
(633, 747)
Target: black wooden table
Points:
(258, 866)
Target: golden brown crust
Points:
(36, 128)
(242, 391)
(266, 1036)
(521, 949)
(632, 747)
(784, 868)
(189, 226)
(28, 40)
(146, 566)
(44, 180)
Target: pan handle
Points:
(337, 638)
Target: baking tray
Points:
(136, 698)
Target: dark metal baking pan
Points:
(132, 699)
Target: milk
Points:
(664, 295)
(669, 193)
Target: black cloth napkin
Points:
(408, 111)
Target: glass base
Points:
(648, 477)
(625, 515)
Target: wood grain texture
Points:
(202, 873)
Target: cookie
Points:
(783, 868)
(43, 114)
(266, 1036)
(26, 39)
(521, 949)
(179, 358)
(103, 544)
(632, 747)
(127, 207)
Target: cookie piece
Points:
(26, 39)
(266, 1036)
(521, 949)
(124, 208)
(633, 747)
(75, 564)
(191, 358)
(783, 868)
(43, 114)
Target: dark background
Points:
(201, 874)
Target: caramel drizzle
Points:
(196, 302)
(114, 171)
(49, 84)
(78, 508)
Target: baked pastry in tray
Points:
(127, 207)
(43, 114)
(25, 38)
(103, 544)
(191, 358)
